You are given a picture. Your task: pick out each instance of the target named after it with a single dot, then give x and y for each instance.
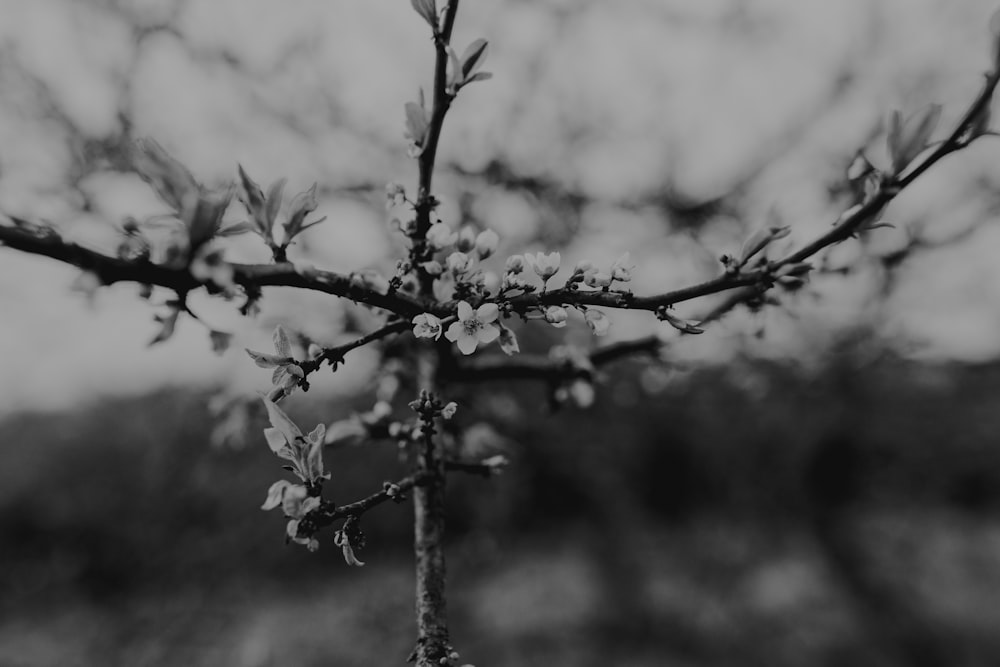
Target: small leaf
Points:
(273, 202)
(893, 139)
(235, 229)
(265, 360)
(252, 193)
(282, 345)
(318, 434)
(207, 216)
(995, 34)
(478, 76)
(474, 57)
(301, 205)
(416, 122)
(427, 10)
(456, 70)
(760, 240)
(281, 421)
(275, 440)
(253, 198)
(684, 326)
(916, 135)
(169, 178)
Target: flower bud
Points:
(556, 316)
(486, 243)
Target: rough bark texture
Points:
(429, 525)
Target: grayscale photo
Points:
(499, 333)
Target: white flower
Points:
(595, 278)
(395, 194)
(621, 270)
(556, 316)
(474, 326)
(426, 325)
(597, 321)
(486, 243)
(544, 265)
(449, 410)
(466, 239)
(294, 499)
(440, 236)
(514, 265)
(458, 263)
(433, 268)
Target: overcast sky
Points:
(616, 102)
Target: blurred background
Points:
(814, 484)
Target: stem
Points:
(428, 541)
(428, 500)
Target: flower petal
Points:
(467, 344)
(487, 312)
(464, 311)
(275, 494)
(488, 334)
(455, 331)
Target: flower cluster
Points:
(305, 453)
(296, 503)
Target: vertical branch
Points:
(428, 541)
(440, 104)
(428, 500)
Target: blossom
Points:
(458, 263)
(294, 499)
(544, 265)
(556, 316)
(597, 321)
(474, 326)
(621, 270)
(433, 267)
(515, 264)
(426, 325)
(395, 194)
(595, 278)
(466, 239)
(486, 243)
(440, 235)
(296, 503)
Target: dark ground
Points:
(751, 515)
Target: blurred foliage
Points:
(842, 515)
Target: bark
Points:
(428, 543)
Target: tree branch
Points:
(335, 355)
(756, 281)
(111, 270)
